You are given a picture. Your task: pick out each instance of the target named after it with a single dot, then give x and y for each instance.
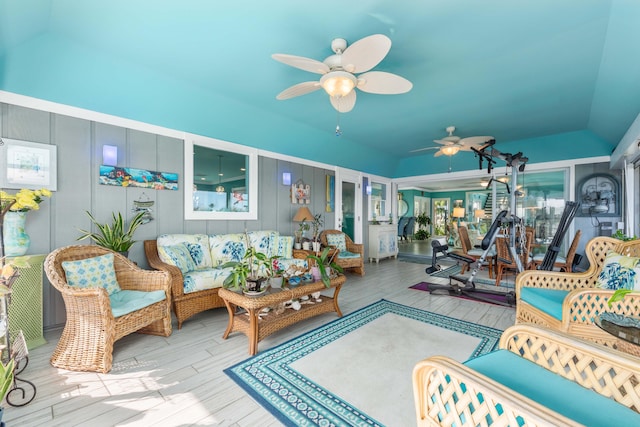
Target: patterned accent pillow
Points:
(337, 240)
(198, 245)
(92, 273)
(178, 255)
(285, 247)
(619, 272)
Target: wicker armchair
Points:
(184, 305)
(582, 301)
(486, 392)
(355, 264)
(90, 331)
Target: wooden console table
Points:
(257, 327)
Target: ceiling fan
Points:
(451, 144)
(339, 72)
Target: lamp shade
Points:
(303, 214)
(458, 213)
(478, 213)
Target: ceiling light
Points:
(220, 187)
(338, 83)
(450, 150)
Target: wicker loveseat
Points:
(95, 318)
(571, 301)
(351, 255)
(192, 260)
(538, 377)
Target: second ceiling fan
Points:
(451, 144)
(339, 71)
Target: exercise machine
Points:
(441, 247)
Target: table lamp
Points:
(478, 213)
(458, 212)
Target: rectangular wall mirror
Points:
(220, 180)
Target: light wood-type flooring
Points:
(178, 380)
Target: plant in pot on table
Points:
(325, 264)
(114, 236)
(316, 224)
(245, 274)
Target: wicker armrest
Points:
(555, 280)
(447, 393)
(356, 248)
(583, 305)
(612, 374)
(175, 275)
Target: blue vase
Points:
(16, 241)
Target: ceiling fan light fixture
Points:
(450, 150)
(338, 83)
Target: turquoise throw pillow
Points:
(619, 272)
(92, 273)
(338, 241)
(178, 255)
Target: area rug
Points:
(356, 370)
(496, 296)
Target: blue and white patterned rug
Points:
(356, 370)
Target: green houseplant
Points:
(423, 221)
(245, 273)
(325, 265)
(6, 379)
(114, 236)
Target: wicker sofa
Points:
(538, 377)
(192, 260)
(570, 301)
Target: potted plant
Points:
(326, 265)
(299, 232)
(276, 272)
(423, 221)
(245, 273)
(114, 236)
(6, 379)
(316, 224)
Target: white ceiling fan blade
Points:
(380, 82)
(306, 64)
(366, 53)
(444, 141)
(344, 104)
(424, 149)
(438, 153)
(299, 89)
(475, 140)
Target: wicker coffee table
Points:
(257, 327)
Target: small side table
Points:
(25, 309)
(626, 330)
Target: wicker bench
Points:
(539, 377)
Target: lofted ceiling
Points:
(554, 79)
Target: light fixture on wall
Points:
(286, 178)
(109, 155)
(368, 189)
(220, 187)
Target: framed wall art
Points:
(599, 195)
(28, 165)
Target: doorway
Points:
(349, 203)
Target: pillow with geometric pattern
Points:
(619, 272)
(337, 240)
(92, 273)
